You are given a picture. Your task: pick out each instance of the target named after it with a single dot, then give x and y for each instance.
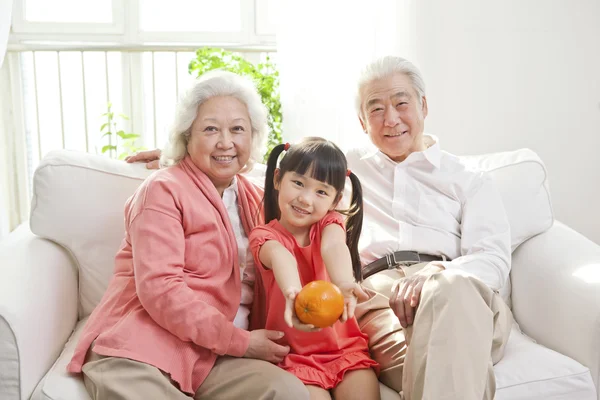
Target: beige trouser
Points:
(459, 332)
(114, 378)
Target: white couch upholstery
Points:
(51, 279)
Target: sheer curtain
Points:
(321, 48)
(6, 225)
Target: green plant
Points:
(265, 75)
(118, 140)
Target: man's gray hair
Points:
(211, 84)
(385, 67)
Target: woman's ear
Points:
(277, 178)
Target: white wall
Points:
(518, 73)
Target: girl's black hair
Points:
(326, 163)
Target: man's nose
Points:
(391, 117)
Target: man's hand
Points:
(289, 315)
(406, 294)
(353, 293)
(150, 157)
(263, 347)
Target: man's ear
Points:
(424, 109)
(362, 123)
(277, 179)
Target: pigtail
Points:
(270, 196)
(354, 225)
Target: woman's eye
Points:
(210, 129)
(238, 129)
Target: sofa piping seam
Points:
(18, 354)
(549, 379)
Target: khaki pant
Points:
(115, 378)
(459, 332)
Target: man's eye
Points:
(401, 103)
(377, 109)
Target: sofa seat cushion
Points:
(527, 371)
(530, 371)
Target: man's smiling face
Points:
(393, 116)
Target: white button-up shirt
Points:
(247, 272)
(434, 204)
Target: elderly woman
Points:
(173, 321)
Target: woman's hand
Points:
(289, 315)
(353, 294)
(150, 157)
(263, 346)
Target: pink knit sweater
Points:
(176, 286)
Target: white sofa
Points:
(51, 279)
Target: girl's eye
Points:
(297, 183)
(322, 192)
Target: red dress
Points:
(316, 358)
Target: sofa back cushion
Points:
(78, 201)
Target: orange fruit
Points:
(319, 303)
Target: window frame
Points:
(125, 30)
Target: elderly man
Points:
(435, 244)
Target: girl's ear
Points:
(337, 200)
(277, 179)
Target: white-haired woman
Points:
(173, 323)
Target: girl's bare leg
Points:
(360, 384)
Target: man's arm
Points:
(150, 157)
(485, 237)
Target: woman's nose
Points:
(225, 141)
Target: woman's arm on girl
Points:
(273, 255)
(338, 262)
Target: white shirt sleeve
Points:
(485, 236)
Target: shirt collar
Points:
(433, 154)
(233, 187)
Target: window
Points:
(72, 57)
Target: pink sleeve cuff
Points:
(238, 345)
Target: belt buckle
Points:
(392, 263)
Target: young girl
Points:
(305, 240)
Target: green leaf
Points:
(104, 125)
(107, 134)
(108, 147)
(123, 116)
(124, 135)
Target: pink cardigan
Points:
(176, 285)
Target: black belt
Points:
(395, 259)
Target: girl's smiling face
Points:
(303, 200)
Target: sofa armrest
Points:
(38, 309)
(556, 294)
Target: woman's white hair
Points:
(385, 67)
(208, 85)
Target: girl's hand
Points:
(289, 315)
(353, 293)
